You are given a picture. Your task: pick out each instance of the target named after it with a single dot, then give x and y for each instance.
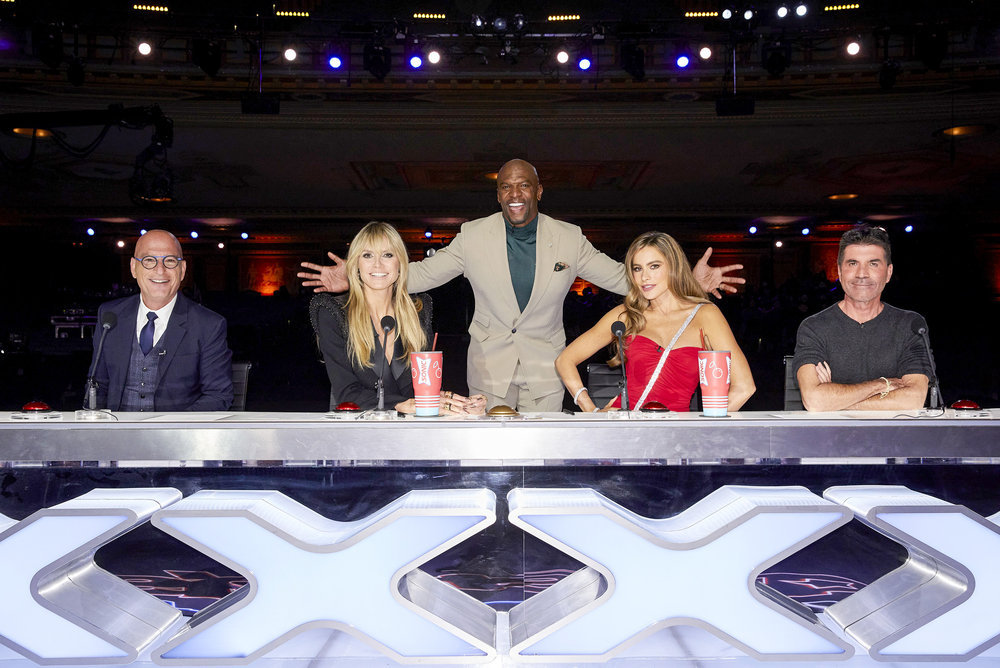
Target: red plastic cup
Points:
(713, 373)
(425, 369)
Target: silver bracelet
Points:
(888, 388)
(577, 395)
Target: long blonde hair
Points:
(681, 282)
(359, 326)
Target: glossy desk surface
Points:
(530, 440)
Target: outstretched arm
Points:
(582, 348)
(325, 278)
(714, 279)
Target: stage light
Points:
(335, 62)
(782, 11)
(801, 10)
(290, 54)
(519, 23)
(144, 48)
(477, 22)
(244, 235)
(90, 231)
(562, 56)
(683, 61)
(142, 232)
(584, 59)
(748, 14)
(221, 245)
(415, 61)
(779, 243)
(499, 24)
(908, 229)
(428, 233)
(805, 231)
(207, 54)
(433, 56)
(727, 13)
(120, 243)
(853, 47)
(753, 229)
(194, 234)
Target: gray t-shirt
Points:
(859, 352)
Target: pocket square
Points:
(560, 266)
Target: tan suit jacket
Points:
(501, 335)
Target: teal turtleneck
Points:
(521, 259)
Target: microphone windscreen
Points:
(388, 322)
(618, 328)
(108, 320)
(918, 324)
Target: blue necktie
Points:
(146, 334)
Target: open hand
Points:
(328, 278)
(714, 279)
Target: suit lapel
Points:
(176, 331)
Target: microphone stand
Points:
(388, 323)
(89, 410)
(934, 389)
(618, 329)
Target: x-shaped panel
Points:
(698, 568)
(360, 577)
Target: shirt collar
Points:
(162, 314)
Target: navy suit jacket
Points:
(195, 369)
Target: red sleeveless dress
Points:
(677, 381)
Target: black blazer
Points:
(349, 382)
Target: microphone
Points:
(618, 329)
(919, 327)
(388, 323)
(108, 322)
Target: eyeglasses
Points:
(150, 261)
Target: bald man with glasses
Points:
(166, 353)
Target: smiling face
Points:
(650, 272)
(158, 285)
(518, 192)
(378, 265)
(863, 273)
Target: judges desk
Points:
(281, 539)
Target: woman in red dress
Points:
(664, 310)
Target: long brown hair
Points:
(681, 282)
(360, 342)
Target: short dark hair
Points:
(865, 235)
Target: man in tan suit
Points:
(521, 265)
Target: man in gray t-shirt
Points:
(862, 353)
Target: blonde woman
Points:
(666, 313)
(349, 329)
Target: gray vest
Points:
(140, 383)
